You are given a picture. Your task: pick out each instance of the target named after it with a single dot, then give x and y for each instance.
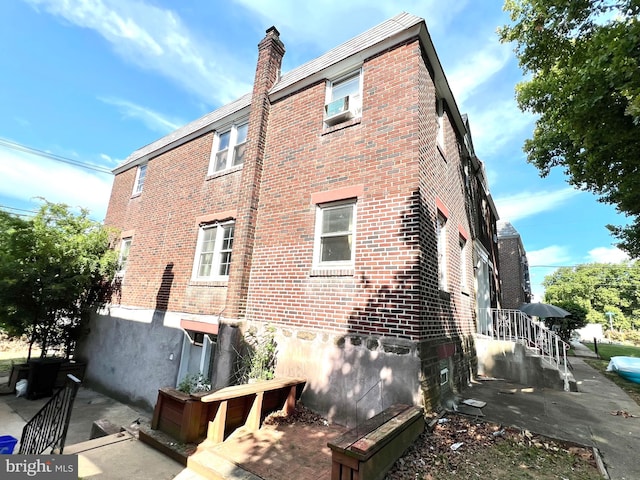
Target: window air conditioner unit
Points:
(337, 111)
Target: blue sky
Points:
(93, 80)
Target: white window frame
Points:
(355, 99)
(232, 148)
(317, 245)
(141, 175)
(441, 233)
(464, 284)
(123, 257)
(217, 252)
(440, 122)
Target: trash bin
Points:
(7, 444)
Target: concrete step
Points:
(211, 466)
(517, 363)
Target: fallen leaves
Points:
(623, 413)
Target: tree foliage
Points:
(599, 288)
(55, 270)
(566, 325)
(582, 58)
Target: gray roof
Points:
(506, 230)
(371, 37)
(374, 36)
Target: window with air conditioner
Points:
(343, 98)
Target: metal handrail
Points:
(516, 326)
(48, 428)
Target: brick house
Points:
(514, 267)
(340, 203)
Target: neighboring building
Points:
(514, 267)
(340, 203)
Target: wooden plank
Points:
(255, 413)
(215, 432)
(252, 388)
(290, 402)
(348, 438)
(378, 438)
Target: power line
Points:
(52, 156)
(7, 207)
(585, 265)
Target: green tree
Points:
(566, 325)
(582, 59)
(56, 269)
(599, 288)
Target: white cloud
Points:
(152, 119)
(543, 262)
(156, 39)
(552, 255)
(494, 126)
(607, 255)
(525, 204)
(25, 177)
(327, 23)
(477, 68)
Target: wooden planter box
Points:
(190, 418)
(181, 415)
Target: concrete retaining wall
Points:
(511, 361)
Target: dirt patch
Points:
(464, 447)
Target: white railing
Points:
(517, 326)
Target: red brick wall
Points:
(163, 219)
(511, 272)
(391, 153)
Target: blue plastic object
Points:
(7, 444)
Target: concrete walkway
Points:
(598, 415)
(113, 458)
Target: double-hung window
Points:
(463, 264)
(335, 232)
(441, 233)
(440, 122)
(125, 246)
(228, 149)
(213, 253)
(343, 98)
(141, 174)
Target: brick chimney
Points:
(270, 53)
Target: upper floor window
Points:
(213, 252)
(125, 246)
(335, 230)
(141, 173)
(228, 149)
(464, 286)
(441, 234)
(440, 122)
(343, 98)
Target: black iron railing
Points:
(48, 428)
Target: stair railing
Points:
(516, 326)
(48, 428)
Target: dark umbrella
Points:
(543, 310)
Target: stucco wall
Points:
(131, 353)
(349, 377)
